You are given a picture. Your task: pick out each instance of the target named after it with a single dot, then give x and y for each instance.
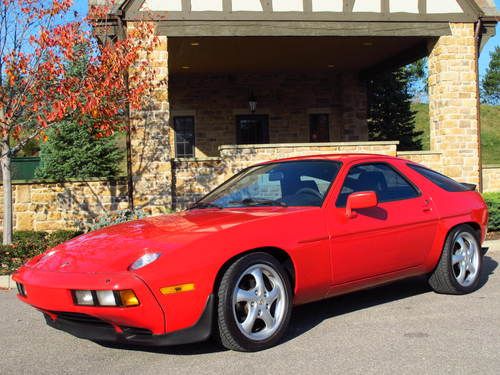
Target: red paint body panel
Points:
(330, 252)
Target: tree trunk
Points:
(7, 194)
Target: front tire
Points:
(459, 268)
(254, 303)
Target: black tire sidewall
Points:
(225, 300)
(450, 241)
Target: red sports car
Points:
(277, 234)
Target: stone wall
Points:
(453, 103)
(491, 178)
(430, 159)
(150, 146)
(61, 206)
(288, 100)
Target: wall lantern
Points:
(252, 103)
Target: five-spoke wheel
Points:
(459, 268)
(254, 303)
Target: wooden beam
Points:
(298, 28)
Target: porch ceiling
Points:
(288, 54)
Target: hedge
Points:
(493, 201)
(28, 244)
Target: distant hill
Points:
(490, 130)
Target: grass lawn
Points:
(490, 130)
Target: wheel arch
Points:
(281, 255)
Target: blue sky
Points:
(490, 46)
(81, 7)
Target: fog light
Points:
(84, 298)
(106, 298)
(128, 298)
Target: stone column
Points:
(453, 103)
(354, 108)
(151, 151)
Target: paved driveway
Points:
(401, 328)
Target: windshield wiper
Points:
(259, 201)
(203, 205)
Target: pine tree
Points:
(491, 81)
(390, 116)
(73, 150)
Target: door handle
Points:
(427, 206)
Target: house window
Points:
(252, 129)
(184, 136)
(319, 127)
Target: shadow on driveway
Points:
(306, 317)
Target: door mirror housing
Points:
(360, 200)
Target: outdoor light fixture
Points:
(252, 103)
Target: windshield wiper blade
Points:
(259, 201)
(203, 205)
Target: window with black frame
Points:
(184, 136)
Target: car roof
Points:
(337, 157)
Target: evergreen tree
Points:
(390, 116)
(73, 150)
(491, 81)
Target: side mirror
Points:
(362, 199)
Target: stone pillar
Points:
(151, 151)
(453, 103)
(354, 108)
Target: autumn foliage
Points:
(39, 39)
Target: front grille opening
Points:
(80, 318)
(136, 331)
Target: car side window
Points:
(385, 181)
(439, 179)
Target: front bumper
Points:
(86, 327)
(50, 292)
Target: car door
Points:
(393, 236)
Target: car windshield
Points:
(293, 183)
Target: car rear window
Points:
(439, 179)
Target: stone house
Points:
(252, 80)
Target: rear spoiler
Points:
(469, 187)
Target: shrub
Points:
(26, 245)
(493, 201)
(116, 217)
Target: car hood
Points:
(115, 248)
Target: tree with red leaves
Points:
(38, 40)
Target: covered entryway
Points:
(288, 76)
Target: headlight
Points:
(144, 261)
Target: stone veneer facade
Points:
(454, 105)
(49, 206)
(151, 153)
(288, 100)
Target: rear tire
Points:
(254, 303)
(459, 268)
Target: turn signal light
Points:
(177, 289)
(128, 298)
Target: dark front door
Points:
(252, 129)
